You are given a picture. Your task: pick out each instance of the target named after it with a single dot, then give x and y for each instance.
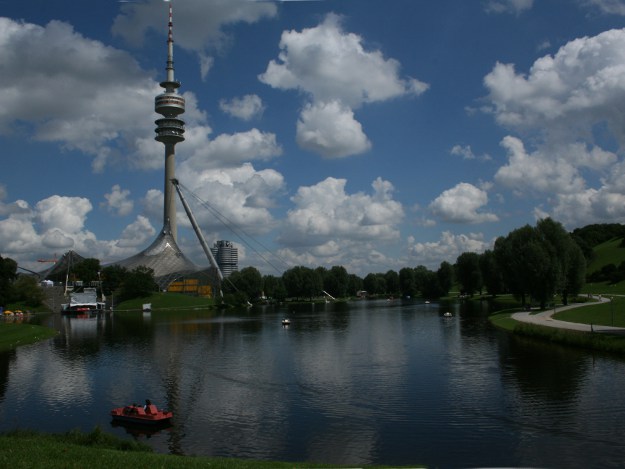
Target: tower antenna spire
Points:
(170, 45)
(170, 129)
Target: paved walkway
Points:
(544, 318)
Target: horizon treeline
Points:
(534, 263)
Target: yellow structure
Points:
(191, 286)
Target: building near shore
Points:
(226, 256)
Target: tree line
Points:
(534, 263)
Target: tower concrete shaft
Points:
(170, 130)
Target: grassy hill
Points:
(606, 253)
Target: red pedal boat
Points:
(149, 415)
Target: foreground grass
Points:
(14, 334)
(95, 450)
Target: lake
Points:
(366, 382)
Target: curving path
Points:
(544, 318)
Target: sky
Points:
(371, 134)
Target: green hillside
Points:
(607, 253)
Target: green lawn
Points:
(167, 301)
(605, 314)
(98, 450)
(604, 289)
(14, 334)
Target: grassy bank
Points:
(587, 314)
(587, 340)
(95, 450)
(13, 334)
(165, 301)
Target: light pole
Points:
(612, 309)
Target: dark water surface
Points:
(372, 382)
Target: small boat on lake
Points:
(286, 322)
(142, 415)
(147, 307)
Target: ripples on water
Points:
(369, 383)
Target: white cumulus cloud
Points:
(245, 108)
(117, 201)
(461, 204)
(508, 6)
(614, 7)
(325, 212)
(568, 105)
(339, 75)
(448, 247)
(331, 130)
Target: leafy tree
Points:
(313, 283)
(445, 274)
(576, 274)
(407, 282)
(354, 284)
(26, 289)
(375, 284)
(541, 262)
(8, 273)
(509, 257)
(566, 257)
(112, 278)
(248, 281)
(541, 271)
(302, 281)
(138, 283)
(274, 287)
(586, 248)
(468, 272)
(421, 273)
(491, 273)
(431, 286)
(336, 281)
(392, 282)
(87, 270)
(293, 280)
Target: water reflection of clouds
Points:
(335, 369)
(225, 388)
(57, 384)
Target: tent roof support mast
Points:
(199, 234)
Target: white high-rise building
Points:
(227, 257)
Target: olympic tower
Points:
(169, 130)
(164, 256)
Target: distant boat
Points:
(286, 322)
(447, 314)
(147, 307)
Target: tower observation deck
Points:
(170, 130)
